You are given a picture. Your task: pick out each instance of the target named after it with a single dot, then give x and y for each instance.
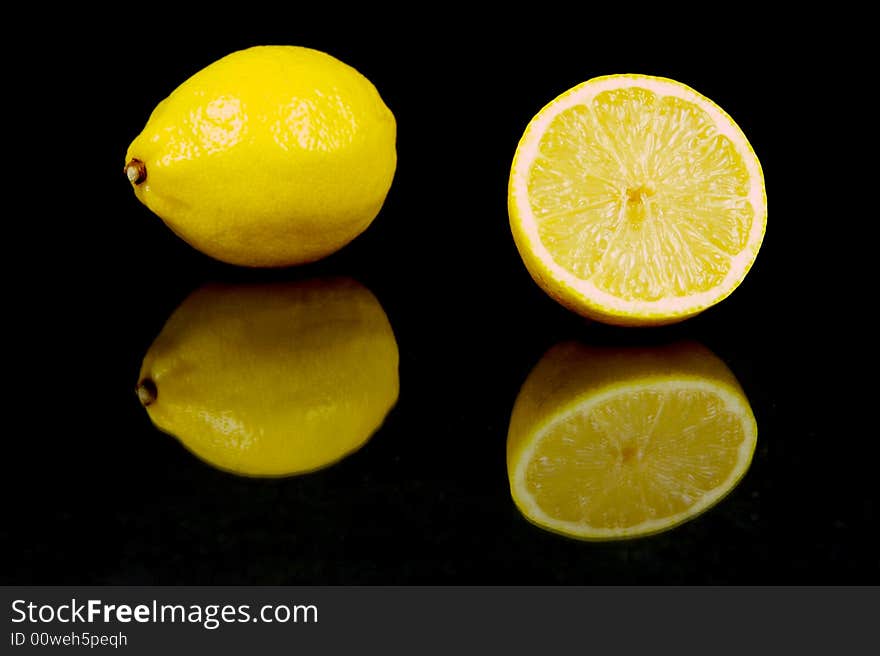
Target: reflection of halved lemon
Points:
(271, 380)
(635, 200)
(619, 443)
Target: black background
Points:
(96, 495)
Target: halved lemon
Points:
(634, 200)
(619, 443)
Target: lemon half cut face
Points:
(635, 200)
(273, 379)
(609, 443)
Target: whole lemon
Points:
(272, 379)
(270, 156)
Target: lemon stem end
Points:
(136, 171)
(147, 392)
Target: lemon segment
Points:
(612, 444)
(635, 200)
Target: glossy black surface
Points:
(97, 495)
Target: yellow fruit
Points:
(271, 380)
(271, 156)
(634, 200)
(619, 443)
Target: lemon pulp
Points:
(636, 200)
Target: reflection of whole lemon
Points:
(617, 443)
(270, 380)
(271, 156)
